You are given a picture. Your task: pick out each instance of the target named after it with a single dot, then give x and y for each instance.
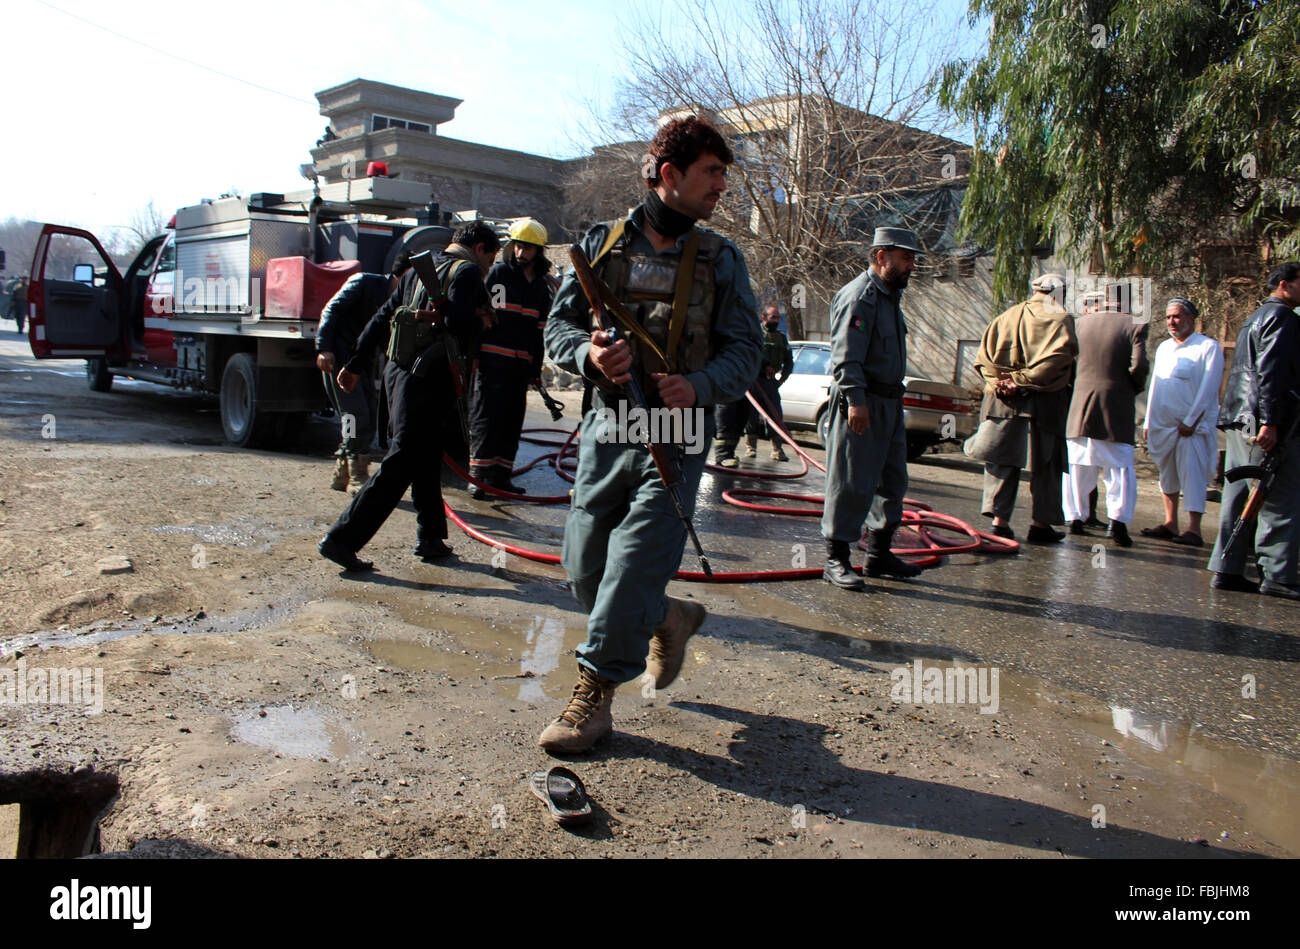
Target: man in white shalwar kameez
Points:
(1182, 410)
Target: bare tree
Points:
(829, 105)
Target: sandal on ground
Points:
(563, 794)
(1188, 539)
(1160, 533)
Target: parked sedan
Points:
(933, 412)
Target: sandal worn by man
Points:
(1160, 533)
(563, 794)
(1188, 539)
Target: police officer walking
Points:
(866, 453)
(689, 291)
(509, 356)
(419, 385)
(341, 323)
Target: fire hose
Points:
(918, 519)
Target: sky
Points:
(111, 105)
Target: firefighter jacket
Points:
(718, 348)
(514, 345)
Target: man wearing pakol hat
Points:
(1027, 360)
(1110, 374)
(509, 355)
(1182, 410)
(866, 451)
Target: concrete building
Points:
(374, 121)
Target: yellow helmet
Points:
(528, 231)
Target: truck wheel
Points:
(97, 375)
(239, 415)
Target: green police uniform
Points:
(623, 540)
(868, 361)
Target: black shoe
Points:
(841, 574)
(478, 494)
(1118, 532)
(838, 570)
(431, 550)
(1093, 522)
(881, 560)
(1003, 530)
(332, 550)
(1076, 528)
(511, 487)
(1235, 582)
(1044, 535)
(1269, 588)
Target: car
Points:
(933, 412)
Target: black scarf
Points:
(671, 224)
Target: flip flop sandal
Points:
(1188, 539)
(563, 794)
(1160, 533)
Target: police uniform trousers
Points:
(1047, 464)
(770, 399)
(417, 407)
(1275, 535)
(623, 542)
(866, 475)
(497, 418)
(356, 411)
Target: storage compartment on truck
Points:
(298, 289)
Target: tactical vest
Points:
(774, 347)
(409, 337)
(647, 285)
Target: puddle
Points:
(199, 624)
(539, 646)
(249, 535)
(292, 732)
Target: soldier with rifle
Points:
(429, 321)
(684, 337)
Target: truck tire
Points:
(240, 418)
(97, 375)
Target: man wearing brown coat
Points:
(1099, 433)
(1027, 360)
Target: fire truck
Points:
(228, 299)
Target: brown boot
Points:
(359, 471)
(668, 647)
(340, 482)
(751, 446)
(586, 719)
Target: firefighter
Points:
(341, 323)
(623, 540)
(778, 361)
(419, 398)
(509, 356)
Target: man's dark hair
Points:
(477, 233)
(682, 141)
(1283, 273)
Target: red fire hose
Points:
(919, 520)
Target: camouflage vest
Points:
(646, 284)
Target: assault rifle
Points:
(1266, 473)
(457, 364)
(554, 406)
(670, 470)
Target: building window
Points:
(379, 122)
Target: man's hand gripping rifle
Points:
(665, 456)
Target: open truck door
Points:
(75, 299)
